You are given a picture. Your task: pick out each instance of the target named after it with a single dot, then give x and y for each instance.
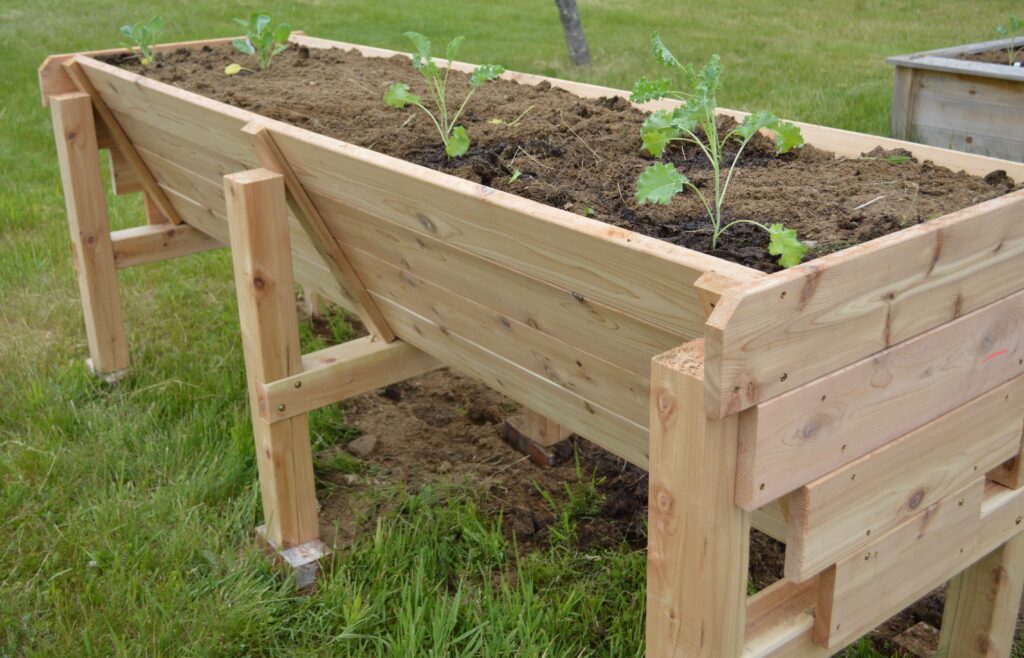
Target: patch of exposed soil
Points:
(444, 427)
(997, 56)
(585, 155)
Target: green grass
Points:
(126, 515)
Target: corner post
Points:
(74, 129)
(264, 283)
(698, 539)
(980, 616)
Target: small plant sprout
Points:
(142, 36)
(454, 136)
(1011, 30)
(260, 40)
(695, 123)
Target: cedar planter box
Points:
(866, 408)
(938, 98)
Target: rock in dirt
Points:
(363, 446)
(920, 640)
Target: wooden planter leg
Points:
(982, 603)
(260, 249)
(538, 437)
(75, 131)
(698, 539)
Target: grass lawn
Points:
(126, 515)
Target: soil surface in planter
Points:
(997, 56)
(584, 155)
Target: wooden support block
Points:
(154, 216)
(321, 237)
(121, 141)
(78, 155)
(155, 242)
(980, 616)
(817, 428)
(528, 433)
(698, 540)
(846, 509)
(123, 178)
(867, 587)
(261, 252)
(340, 372)
(312, 303)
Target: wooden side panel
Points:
(844, 510)
(969, 113)
(869, 586)
(904, 89)
(790, 328)
(811, 431)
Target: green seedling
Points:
(454, 136)
(695, 122)
(1011, 30)
(260, 40)
(142, 36)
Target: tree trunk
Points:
(579, 54)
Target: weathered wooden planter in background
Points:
(953, 103)
(866, 408)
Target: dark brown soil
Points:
(585, 155)
(997, 56)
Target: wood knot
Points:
(916, 499)
(665, 500)
(258, 283)
(426, 222)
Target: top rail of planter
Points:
(947, 60)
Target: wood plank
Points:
(775, 335)
(1002, 516)
(867, 587)
(980, 616)
(844, 510)
(542, 430)
(265, 288)
(780, 620)
(78, 156)
(54, 80)
(340, 372)
(817, 428)
(325, 243)
(588, 376)
(154, 242)
(904, 90)
(698, 540)
(601, 426)
(1001, 147)
(121, 141)
(771, 520)
(123, 178)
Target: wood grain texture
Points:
(780, 621)
(78, 156)
(980, 614)
(340, 372)
(319, 234)
(121, 142)
(155, 242)
(775, 335)
(265, 288)
(867, 587)
(698, 546)
(817, 428)
(842, 511)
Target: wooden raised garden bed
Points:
(866, 407)
(941, 98)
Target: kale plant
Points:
(260, 40)
(1011, 29)
(695, 122)
(142, 36)
(454, 136)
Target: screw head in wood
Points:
(280, 407)
(298, 384)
